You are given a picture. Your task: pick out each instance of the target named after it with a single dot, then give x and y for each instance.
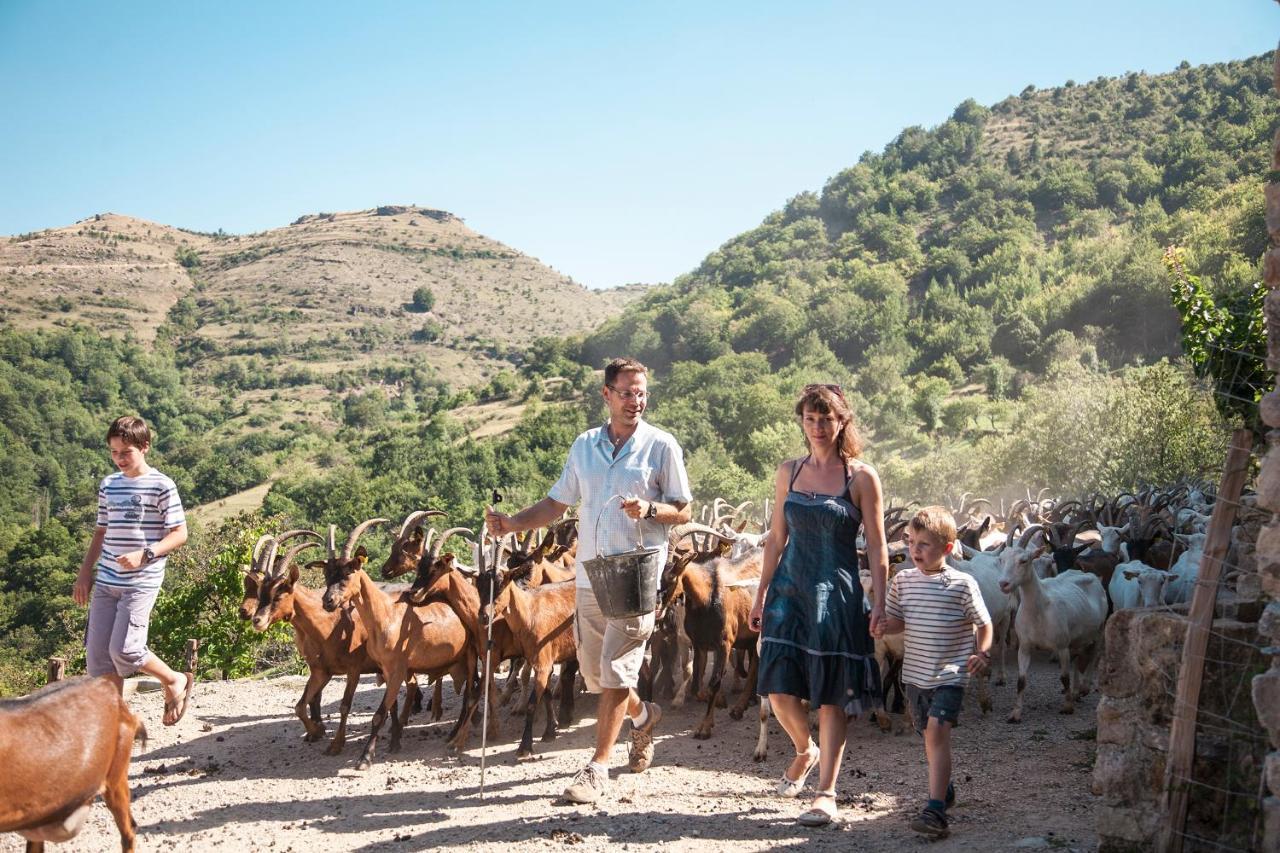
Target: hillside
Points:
(332, 291)
(1004, 248)
(990, 292)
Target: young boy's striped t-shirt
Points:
(137, 512)
(940, 611)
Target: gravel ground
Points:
(235, 775)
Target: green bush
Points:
(423, 299)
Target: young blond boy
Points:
(939, 608)
(140, 522)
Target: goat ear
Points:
(293, 573)
(317, 564)
(1129, 574)
(416, 535)
(1080, 549)
(897, 558)
(448, 559)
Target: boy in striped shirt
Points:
(939, 607)
(140, 522)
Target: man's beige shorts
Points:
(610, 651)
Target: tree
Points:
(927, 401)
(423, 299)
(1225, 340)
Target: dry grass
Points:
(218, 511)
(337, 287)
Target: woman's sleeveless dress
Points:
(815, 638)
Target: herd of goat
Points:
(1050, 573)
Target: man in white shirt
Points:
(630, 480)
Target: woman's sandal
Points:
(819, 815)
(793, 787)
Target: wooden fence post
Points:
(57, 670)
(192, 656)
(1182, 734)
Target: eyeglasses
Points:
(628, 396)
(834, 389)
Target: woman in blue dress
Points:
(815, 633)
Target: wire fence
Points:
(1223, 782)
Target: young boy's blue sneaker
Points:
(931, 822)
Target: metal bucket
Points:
(626, 584)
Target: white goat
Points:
(1063, 614)
(1186, 570)
(1112, 538)
(1135, 584)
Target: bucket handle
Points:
(599, 515)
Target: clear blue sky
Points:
(615, 142)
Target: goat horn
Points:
(332, 546)
(350, 547)
(1029, 532)
(292, 553)
(435, 550)
(269, 559)
(414, 520)
(257, 548)
(689, 529)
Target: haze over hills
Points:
(330, 291)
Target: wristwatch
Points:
(148, 555)
(652, 510)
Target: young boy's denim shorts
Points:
(941, 702)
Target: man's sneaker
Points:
(587, 786)
(641, 754)
(930, 822)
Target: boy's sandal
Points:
(819, 815)
(178, 707)
(793, 787)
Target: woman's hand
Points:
(876, 619)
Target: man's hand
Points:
(131, 560)
(499, 523)
(635, 508)
(756, 618)
(80, 592)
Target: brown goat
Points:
(411, 551)
(410, 544)
(718, 598)
(403, 639)
(61, 747)
(541, 621)
(331, 643)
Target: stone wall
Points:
(1138, 677)
(1266, 686)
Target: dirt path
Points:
(235, 775)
